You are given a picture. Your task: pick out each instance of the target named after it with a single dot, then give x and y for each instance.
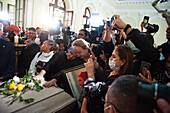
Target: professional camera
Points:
(97, 49)
(153, 92)
(152, 28)
(95, 92)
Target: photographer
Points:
(123, 97)
(150, 29)
(147, 52)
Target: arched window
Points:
(19, 13)
(11, 12)
(86, 16)
(57, 10)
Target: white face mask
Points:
(112, 65)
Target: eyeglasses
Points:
(111, 105)
(81, 34)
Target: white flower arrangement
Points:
(15, 87)
(16, 79)
(41, 80)
(31, 84)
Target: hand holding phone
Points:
(146, 19)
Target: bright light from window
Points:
(4, 16)
(53, 23)
(48, 22)
(95, 20)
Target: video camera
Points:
(153, 92)
(97, 49)
(95, 92)
(152, 28)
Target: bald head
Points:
(123, 93)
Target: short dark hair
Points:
(123, 94)
(32, 29)
(59, 41)
(85, 32)
(37, 28)
(43, 36)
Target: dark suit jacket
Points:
(7, 59)
(26, 57)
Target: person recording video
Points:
(150, 29)
(147, 52)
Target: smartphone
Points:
(146, 19)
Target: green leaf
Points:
(20, 98)
(7, 93)
(5, 82)
(15, 93)
(10, 92)
(39, 81)
(5, 85)
(29, 100)
(36, 73)
(38, 88)
(24, 90)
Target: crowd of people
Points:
(119, 59)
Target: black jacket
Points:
(59, 62)
(7, 59)
(165, 49)
(26, 57)
(147, 52)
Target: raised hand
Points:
(146, 72)
(90, 67)
(118, 23)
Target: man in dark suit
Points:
(7, 60)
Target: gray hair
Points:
(81, 43)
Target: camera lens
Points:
(153, 92)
